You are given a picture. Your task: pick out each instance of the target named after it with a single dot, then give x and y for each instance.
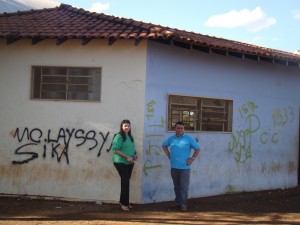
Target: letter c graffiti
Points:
(264, 137)
(274, 138)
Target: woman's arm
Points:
(128, 158)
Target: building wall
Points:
(84, 170)
(262, 151)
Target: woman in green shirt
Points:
(124, 157)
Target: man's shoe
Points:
(183, 208)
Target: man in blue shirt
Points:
(180, 146)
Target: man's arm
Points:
(196, 153)
(194, 156)
(167, 152)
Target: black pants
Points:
(125, 174)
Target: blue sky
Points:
(267, 23)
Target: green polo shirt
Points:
(127, 147)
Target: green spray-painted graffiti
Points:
(152, 138)
(229, 189)
(240, 144)
(282, 116)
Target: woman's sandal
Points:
(124, 208)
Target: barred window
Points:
(200, 114)
(66, 83)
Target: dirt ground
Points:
(263, 207)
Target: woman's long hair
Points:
(123, 134)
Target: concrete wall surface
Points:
(59, 148)
(262, 150)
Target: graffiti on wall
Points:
(283, 116)
(240, 144)
(152, 147)
(56, 145)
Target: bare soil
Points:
(263, 207)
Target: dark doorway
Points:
(299, 151)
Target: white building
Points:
(68, 78)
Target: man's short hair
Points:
(179, 123)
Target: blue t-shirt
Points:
(180, 150)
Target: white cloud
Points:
(297, 52)
(253, 21)
(99, 7)
(296, 14)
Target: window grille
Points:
(66, 83)
(200, 114)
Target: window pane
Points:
(54, 79)
(53, 95)
(54, 87)
(80, 80)
(54, 71)
(78, 96)
(183, 100)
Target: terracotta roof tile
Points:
(66, 21)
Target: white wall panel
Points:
(88, 126)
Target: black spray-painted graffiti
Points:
(58, 144)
